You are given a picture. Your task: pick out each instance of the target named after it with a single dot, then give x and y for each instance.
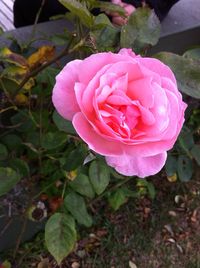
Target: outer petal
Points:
(64, 98)
(137, 166)
(157, 67)
(91, 65)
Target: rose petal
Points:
(137, 166)
(64, 98)
(95, 142)
(127, 52)
(141, 89)
(91, 65)
(157, 67)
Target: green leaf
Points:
(3, 152)
(110, 7)
(185, 168)
(75, 158)
(75, 204)
(82, 185)
(106, 38)
(61, 39)
(63, 124)
(117, 199)
(187, 72)
(193, 53)
(186, 139)
(53, 140)
(79, 10)
(23, 121)
(196, 153)
(12, 141)
(142, 30)
(33, 138)
(60, 235)
(99, 175)
(171, 165)
(48, 167)
(151, 190)
(46, 79)
(20, 166)
(101, 21)
(8, 179)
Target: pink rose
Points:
(125, 107)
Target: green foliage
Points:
(146, 187)
(186, 139)
(12, 141)
(185, 168)
(8, 179)
(141, 31)
(3, 152)
(187, 71)
(53, 140)
(62, 124)
(60, 235)
(195, 152)
(117, 198)
(75, 204)
(75, 158)
(79, 9)
(193, 53)
(20, 166)
(104, 34)
(81, 184)
(109, 7)
(99, 174)
(171, 165)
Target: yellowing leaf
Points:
(71, 175)
(7, 55)
(42, 55)
(5, 51)
(17, 74)
(21, 99)
(29, 84)
(6, 264)
(172, 178)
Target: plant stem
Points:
(64, 189)
(8, 108)
(36, 19)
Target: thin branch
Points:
(63, 53)
(37, 18)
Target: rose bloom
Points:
(125, 107)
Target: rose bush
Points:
(125, 107)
